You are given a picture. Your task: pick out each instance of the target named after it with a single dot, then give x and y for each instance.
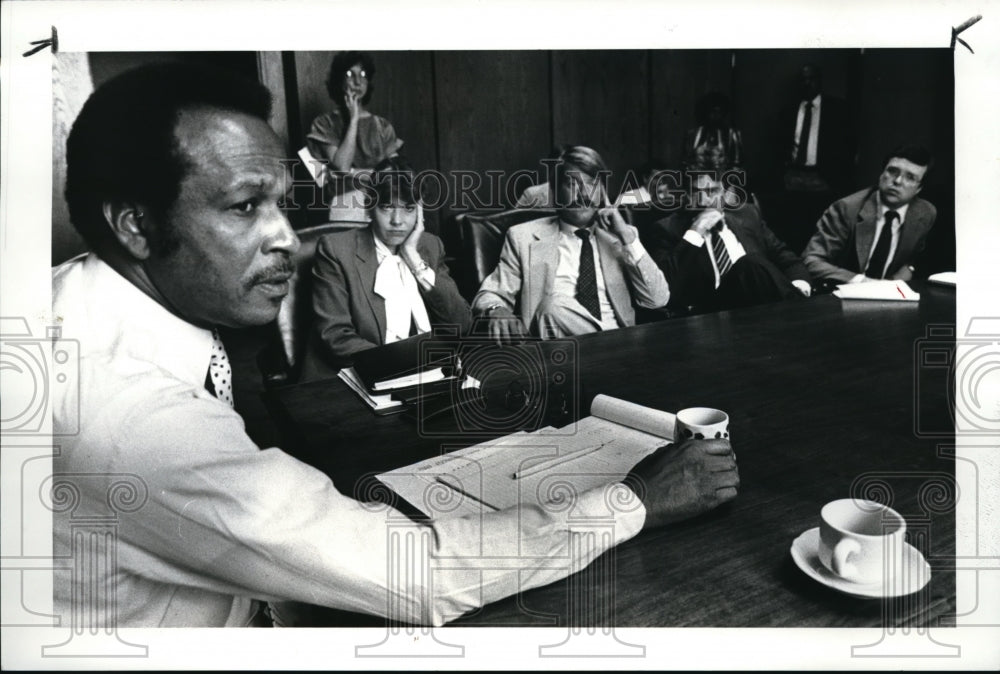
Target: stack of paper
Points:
(886, 290)
(380, 403)
(390, 376)
(947, 278)
(414, 379)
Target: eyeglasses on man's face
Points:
(907, 177)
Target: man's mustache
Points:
(282, 269)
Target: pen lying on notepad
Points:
(451, 485)
(557, 461)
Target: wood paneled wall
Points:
(503, 111)
(480, 111)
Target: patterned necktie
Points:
(586, 283)
(219, 379)
(722, 259)
(803, 148)
(876, 265)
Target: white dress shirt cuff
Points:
(634, 251)
(694, 238)
(424, 274)
(803, 286)
(426, 278)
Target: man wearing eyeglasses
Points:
(878, 232)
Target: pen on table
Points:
(461, 491)
(556, 461)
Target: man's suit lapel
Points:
(367, 266)
(865, 231)
(543, 257)
(738, 222)
(609, 249)
(913, 228)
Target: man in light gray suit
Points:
(878, 232)
(580, 271)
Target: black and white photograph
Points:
(476, 336)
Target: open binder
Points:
(534, 467)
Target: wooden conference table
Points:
(828, 399)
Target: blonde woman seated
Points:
(385, 282)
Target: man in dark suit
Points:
(717, 253)
(816, 137)
(815, 147)
(877, 232)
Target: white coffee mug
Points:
(861, 541)
(701, 423)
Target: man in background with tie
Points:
(717, 252)
(817, 157)
(876, 233)
(580, 271)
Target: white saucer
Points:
(914, 574)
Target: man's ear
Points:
(127, 222)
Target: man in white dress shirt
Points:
(175, 180)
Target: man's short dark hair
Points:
(123, 148)
(918, 154)
(341, 63)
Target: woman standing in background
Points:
(350, 138)
(714, 142)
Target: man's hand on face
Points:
(685, 479)
(706, 220)
(504, 326)
(610, 219)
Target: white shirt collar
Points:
(140, 326)
(381, 249)
(570, 230)
(882, 209)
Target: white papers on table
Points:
(887, 290)
(547, 465)
(379, 403)
(946, 278)
(427, 377)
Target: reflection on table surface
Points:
(827, 399)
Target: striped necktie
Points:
(722, 259)
(219, 378)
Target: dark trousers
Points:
(793, 215)
(753, 280)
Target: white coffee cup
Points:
(861, 541)
(701, 423)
